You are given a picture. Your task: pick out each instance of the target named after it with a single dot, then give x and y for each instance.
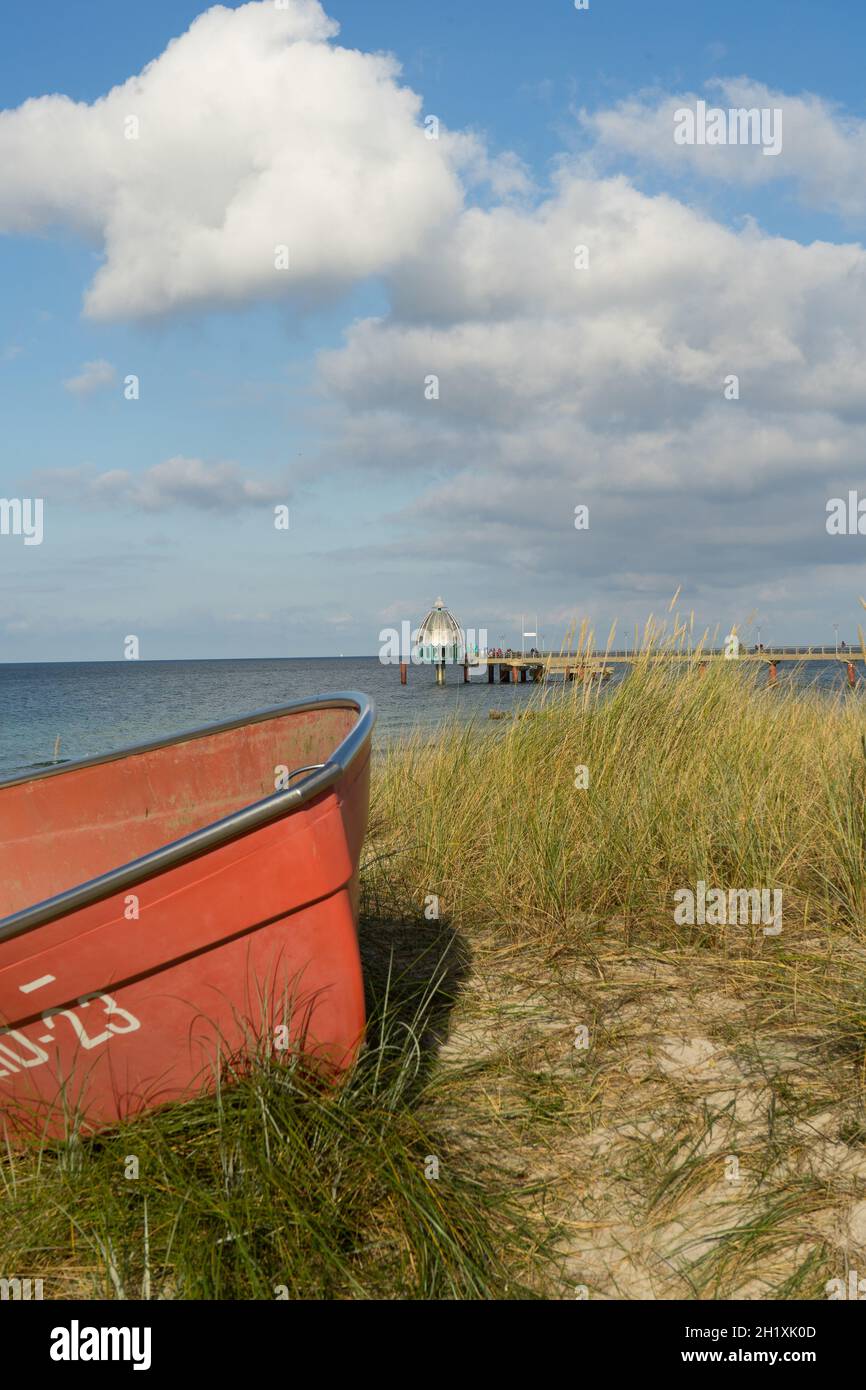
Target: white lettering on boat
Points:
(37, 984)
(117, 1022)
(12, 1059)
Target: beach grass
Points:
(279, 1187)
(709, 1140)
(618, 1104)
(714, 777)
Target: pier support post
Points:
(852, 674)
(466, 673)
(404, 673)
(537, 674)
(773, 678)
(504, 675)
(514, 675)
(491, 673)
(523, 675)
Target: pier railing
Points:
(580, 665)
(630, 654)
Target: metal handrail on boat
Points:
(210, 836)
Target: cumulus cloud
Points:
(176, 482)
(253, 131)
(94, 376)
(605, 386)
(823, 149)
(558, 385)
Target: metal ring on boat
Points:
(210, 836)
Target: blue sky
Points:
(414, 258)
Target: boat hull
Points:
(154, 992)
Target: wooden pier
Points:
(598, 665)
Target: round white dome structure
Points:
(440, 637)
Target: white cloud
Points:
(823, 149)
(176, 482)
(558, 386)
(254, 131)
(94, 376)
(605, 386)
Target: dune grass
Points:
(278, 1187)
(690, 776)
(582, 1068)
(558, 844)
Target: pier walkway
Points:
(517, 666)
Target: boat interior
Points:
(68, 825)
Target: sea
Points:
(60, 711)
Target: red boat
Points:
(173, 906)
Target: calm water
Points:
(95, 707)
(98, 706)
